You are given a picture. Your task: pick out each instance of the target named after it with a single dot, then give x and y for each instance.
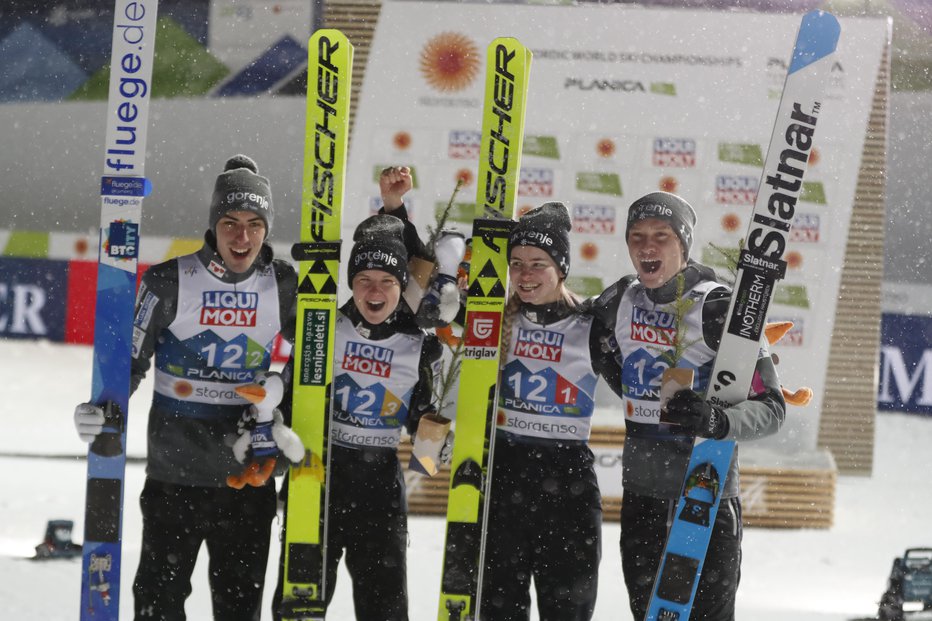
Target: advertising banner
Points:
(33, 293)
(624, 101)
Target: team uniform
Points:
(546, 509)
(210, 329)
(382, 384)
(656, 454)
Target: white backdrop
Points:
(623, 101)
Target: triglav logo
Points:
(229, 308)
(481, 337)
(450, 62)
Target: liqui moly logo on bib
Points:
(367, 359)
(653, 326)
(674, 152)
(230, 308)
(535, 182)
(594, 219)
(735, 189)
(539, 345)
(464, 144)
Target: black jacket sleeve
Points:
(422, 399)
(605, 356)
(156, 305)
(413, 244)
(287, 281)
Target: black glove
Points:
(694, 414)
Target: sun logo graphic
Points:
(605, 148)
(450, 62)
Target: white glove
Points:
(287, 440)
(446, 451)
(441, 301)
(89, 421)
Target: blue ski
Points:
(122, 190)
(760, 265)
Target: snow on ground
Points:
(811, 575)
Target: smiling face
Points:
(656, 252)
(239, 239)
(376, 294)
(534, 275)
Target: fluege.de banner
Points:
(624, 101)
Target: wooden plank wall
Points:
(772, 497)
(846, 424)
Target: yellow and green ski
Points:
(329, 72)
(506, 85)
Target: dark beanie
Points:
(667, 207)
(379, 245)
(546, 227)
(240, 188)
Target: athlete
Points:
(210, 319)
(546, 510)
(643, 311)
(383, 384)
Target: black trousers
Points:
(368, 526)
(644, 526)
(176, 520)
(545, 523)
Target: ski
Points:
(122, 190)
(506, 85)
(760, 266)
(330, 65)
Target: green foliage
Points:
(678, 308)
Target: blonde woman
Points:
(546, 510)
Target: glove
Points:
(257, 436)
(446, 451)
(89, 421)
(441, 301)
(287, 440)
(695, 415)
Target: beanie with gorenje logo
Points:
(240, 188)
(379, 245)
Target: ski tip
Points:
(818, 37)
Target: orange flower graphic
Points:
(450, 62)
(605, 147)
(589, 251)
(668, 184)
(731, 222)
(402, 140)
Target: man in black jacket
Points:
(210, 319)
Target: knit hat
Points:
(667, 207)
(546, 227)
(379, 245)
(240, 188)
